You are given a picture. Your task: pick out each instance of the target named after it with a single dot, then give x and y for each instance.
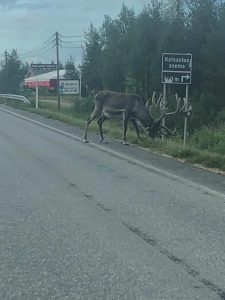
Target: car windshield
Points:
(112, 149)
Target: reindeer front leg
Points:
(125, 121)
(84, 138)
(133, 121)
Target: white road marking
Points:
(122, 156)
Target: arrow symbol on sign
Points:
(185, 77)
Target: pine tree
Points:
(71, 71)
(12, 73)
(92, 65)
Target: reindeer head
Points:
(158, 126)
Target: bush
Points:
(84, 106)
(220, 117)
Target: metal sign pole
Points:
(57, 57)
(164, 99)
(177, 69)
(80, 85)
(186, 119)
(36, 102)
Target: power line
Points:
(51, 50)
(37, 49)
(34, 55)
(51, 41)
(71, 36)
(47, 43)
(40, 54)
(71, 42)
(72, 47)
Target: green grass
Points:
(53, 98)
(210, 138)
(205, 147)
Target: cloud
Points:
(8, 5)
(33, 6)
(26, 24)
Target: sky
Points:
(29, 25)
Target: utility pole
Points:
(80, 83)
(57, 58)
(6, 72)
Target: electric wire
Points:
(37, 59)
(46, 47)
(41, 48)
(71, 47)
(40, 54)
(71, 36)
(47, 43)
(71, 42)
(28, 58)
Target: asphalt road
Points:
(83, 221)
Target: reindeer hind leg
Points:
(100, 121)
(93, 116)
(135, 125)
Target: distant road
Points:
(65, 104)
(81, 222)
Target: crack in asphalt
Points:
(155, 244)
(151, 241)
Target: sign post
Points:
(177, 69)
(36, 102)
(80, 73)
(186, 117)
(164, 99)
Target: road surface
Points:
(80, 221)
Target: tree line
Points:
(13, 71)
(124, 54)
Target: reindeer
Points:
(109, 104)
(161, 105)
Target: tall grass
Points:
(211, 139)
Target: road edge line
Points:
(119, 155)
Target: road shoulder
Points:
(208, 178)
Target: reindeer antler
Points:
(186, 109)
(182, 109)
(164, 108)
(148, 101)
(153, 103)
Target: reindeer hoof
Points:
(85, 141)
(103, 141)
